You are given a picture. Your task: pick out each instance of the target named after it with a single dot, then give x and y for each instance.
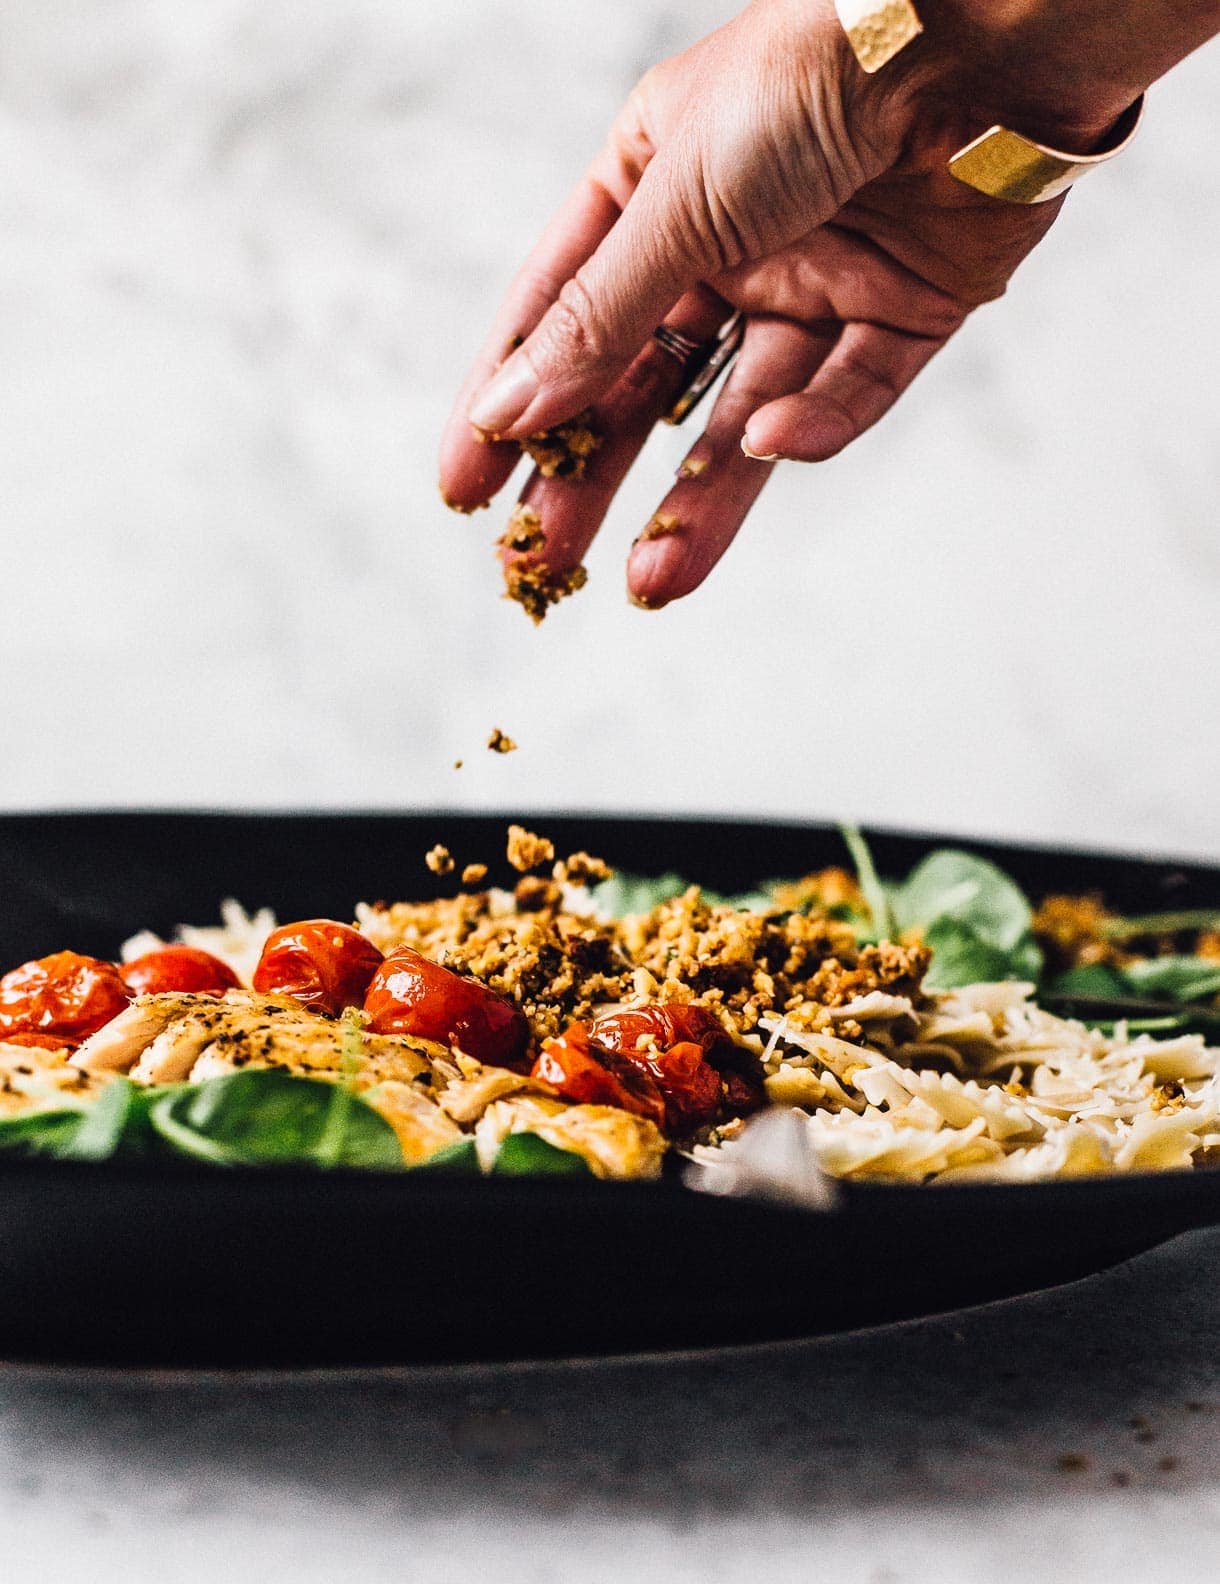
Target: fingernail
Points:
(502, 401)
(758, 456)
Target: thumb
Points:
(604, 313)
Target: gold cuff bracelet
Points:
(1001, 163)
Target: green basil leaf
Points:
(1174, 978)
(260, 1117)
(527, 1155)
(461, 1157)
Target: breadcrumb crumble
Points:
(524, 535)
(527, 851)
(439, 859)
(500, 742)
(564, 450)
(537, 588)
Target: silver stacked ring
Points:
(702, 362)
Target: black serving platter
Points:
(127, 1264)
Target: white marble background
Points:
(245, 249)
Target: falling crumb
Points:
(500, 742)
(474, 873)
(564, 451)
(580, 868)
(524, 534)
(457, 764)
(537, 588)
(692, 467)
(527, 851)
(439, 859)
(663, 523)
(1072, 1462)
(1167, 1464)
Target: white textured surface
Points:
(247, 248)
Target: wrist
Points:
(1064, 71)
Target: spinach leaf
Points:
(876, 892)
(961, 956)
(460, 1157)
(48, 1133)
(262, 1117)
(625, 894)
(977, 920)
(1189, 921)
(1174, 978)
(527, 1155)
(1100, 981)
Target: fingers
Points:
(859, 382)
(718, 483)
(473, 469)
(571, 511)
(603, 315)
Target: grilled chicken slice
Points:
(613, 1143)
(117, 1045)
(422, 1127)
(32, 1078)
(168, 1038)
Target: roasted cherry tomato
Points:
(410, 994)
(185, 969)
(51, 1042)
(65, 995)
(324, 965)
(698, 1068)
(588, 1074)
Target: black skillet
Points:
(127, 1264)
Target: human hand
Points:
(762, 170)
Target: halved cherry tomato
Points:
(410, 994)
(324, 965)
(699, 1069)
(185, 969)
(588, 1074)
(65, 995)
